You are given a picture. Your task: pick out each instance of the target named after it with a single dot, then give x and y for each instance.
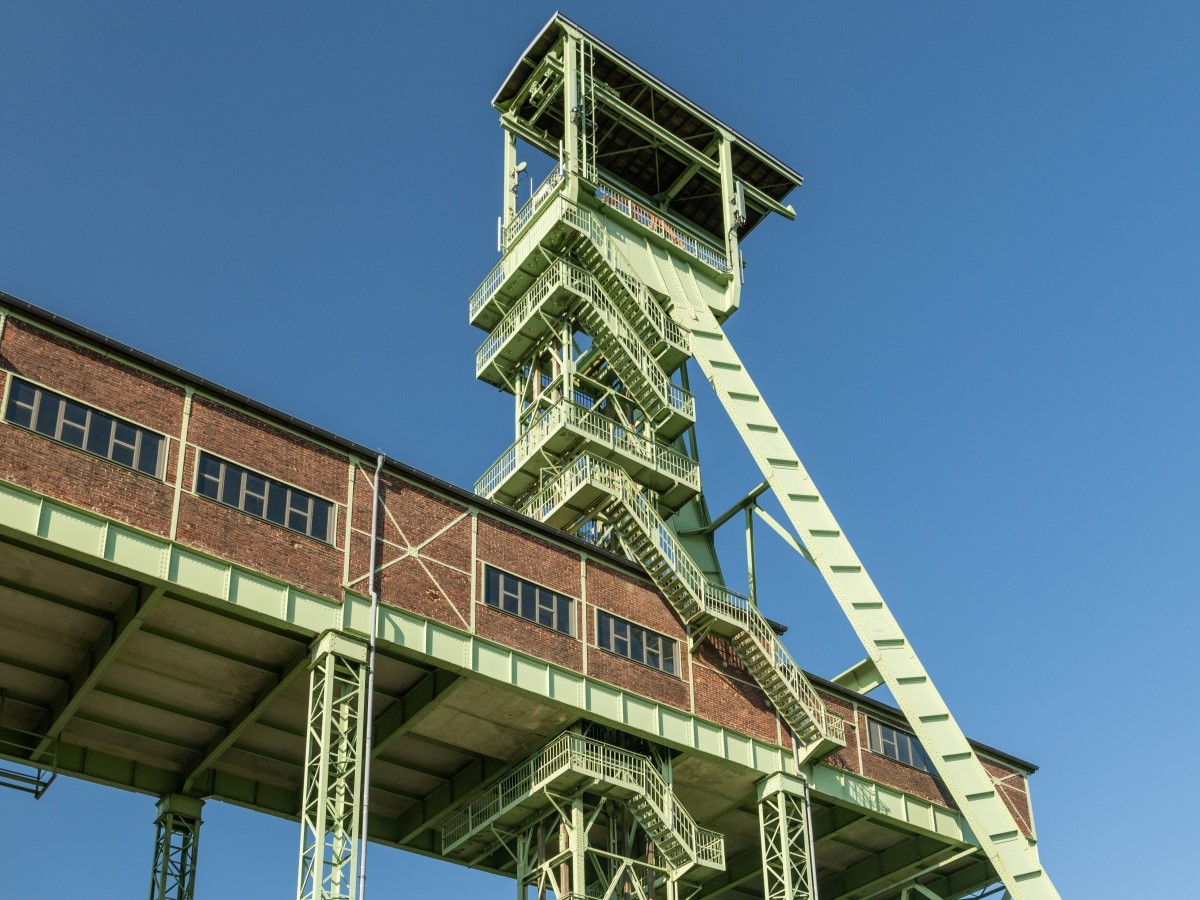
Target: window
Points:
(527, 600)
(88, 429)
(264, 497)
(898, 745)
(635, 642)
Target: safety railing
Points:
(590, 225)
(545, 191)
(648, 219)
(567, 414)
(563, 274)
(711, 598)
(596, 759)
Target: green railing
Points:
(711, 598)
(564, 275)
(545, 191)
(586, 756)
(566, 414)
(592, 227)
(689, 243)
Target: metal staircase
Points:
(573, 762)
(589, 486)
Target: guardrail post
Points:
(176, 840)
(785, 831)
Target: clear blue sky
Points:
(979, 333)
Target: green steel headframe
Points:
(619, 267)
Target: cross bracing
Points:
(582, 229)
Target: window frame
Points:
(89, 430)
(240, 495)
(534, 597)
(903, 743)
(638, 641)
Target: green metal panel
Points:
(23, 512)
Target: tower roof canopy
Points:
(648, 136)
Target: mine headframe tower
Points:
(622, 265)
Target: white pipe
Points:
(373, 590)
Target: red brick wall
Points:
(425, 545)
(44, 465)
(727, 694)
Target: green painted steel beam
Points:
(973, 789)
(247, 717)
(70, 534)
(888, 867)
(408, 710)
(445, 797)
(104, 650)
(862, 677)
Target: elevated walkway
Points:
(572, 763)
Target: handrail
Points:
(565, 413)
(588, 756)
(652, 221)
(710, 597)
(592, 227)
(550, 184)
(581, 282)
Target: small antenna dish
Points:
(521, 167)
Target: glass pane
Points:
(256, 485)
(528, 601)
(125, 434)
(491, 588)
(546, 609)
(636, 650)
(47, 416)
(320, 520)
(74, 420)
(74, 413)
(122, 453)
(148, 453)
(99, 436)
(604, 631)
(298, 518)
(252, 504)
(231, 487)
(277, 503)
(209, 476)
(563, 621)
(19, 410)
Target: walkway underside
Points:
(154, 684)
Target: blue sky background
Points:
(979, 333)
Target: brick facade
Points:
(434, 541)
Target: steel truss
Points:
(331, 817)
(786, 838)
(588, 848)
(176, 840)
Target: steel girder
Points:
(331, 817)
(786, 838)
(176, 841)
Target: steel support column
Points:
(331, 817)
(784, 825)
(176, 839)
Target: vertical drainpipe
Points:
(811, 848)
(373, 590)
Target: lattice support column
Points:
(331, 817)
(176, 840)
(784, 827)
